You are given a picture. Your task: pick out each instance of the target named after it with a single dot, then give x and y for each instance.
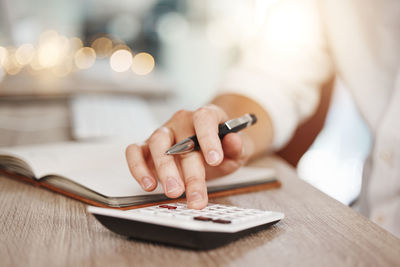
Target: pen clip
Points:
(245, 119)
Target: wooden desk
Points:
(41, 228)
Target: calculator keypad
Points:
(175, 224)
(213, 213)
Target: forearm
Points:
(258, 138)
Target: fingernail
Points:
(172, 185)
(195, 197)
(147, 183)
(212, 157)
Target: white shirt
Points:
(302, 45)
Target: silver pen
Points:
(232, 126)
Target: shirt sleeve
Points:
(284, 66)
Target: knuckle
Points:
(182, 114)
(203, 136)
(193, 180)
(202, 113)
(213, 107)
(131, 148)
(159, 133)
(162, 163)
(134, 166)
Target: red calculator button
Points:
(221, 221)
(203, 218)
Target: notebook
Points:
(96, 173)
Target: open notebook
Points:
(97, 173)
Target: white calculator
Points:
(175, 224)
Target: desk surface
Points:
(41, 228)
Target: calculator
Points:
(175, 224)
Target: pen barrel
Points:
(196, 143)
(224, 130)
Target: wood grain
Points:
(42, 228)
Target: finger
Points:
(165, 165)
(206, 120)
(191, 164)
(138, 167)
(232, 145)
(193, 169)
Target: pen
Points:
(232, 126)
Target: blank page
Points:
(102, 167)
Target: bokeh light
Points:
(64, 69)
(85, 57)
(75, 44)
(103, 47)
(10, 64)
(52, 49)
(47, 36)
(121, 60)
(3, 55)
(25, 54)
(58, 55)
(143, 63)
(119, 45)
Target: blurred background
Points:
(90, 70)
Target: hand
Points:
(148, 162)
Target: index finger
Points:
(206, 120)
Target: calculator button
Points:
(203, 218)
(239, 220)
(182, 217)
(167, 207)
(221, 221)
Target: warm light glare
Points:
(3, 55)
(48, 36)
(291, 26)
(35, 65)
(143, 63)
(117, 45)
(85, 57)
(63, 70)
(24, 54)
(121, 60)
(103, 47)
(75, 44)
(52, 49)
(59, 56)
(10, 65)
